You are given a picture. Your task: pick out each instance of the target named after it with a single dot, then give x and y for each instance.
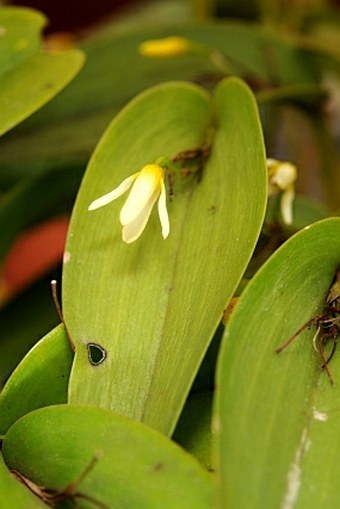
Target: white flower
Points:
(147, 186)
(281, 178)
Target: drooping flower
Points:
(167, 47)
(147, 186)
(281, 178)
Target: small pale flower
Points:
(281, 178)
(166, 47)
(147, 186)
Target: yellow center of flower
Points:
(153, 171)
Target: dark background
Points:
(75, 15)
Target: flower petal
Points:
(146, 186)
(115, 193)
(133, 229)
(286, 205)
(163, 213)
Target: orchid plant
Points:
(161, 385)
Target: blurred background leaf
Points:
(20, 30)
(30, 85)
(29, 77)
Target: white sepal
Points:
(115, 193)
(163, 213)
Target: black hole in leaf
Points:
(96, 353)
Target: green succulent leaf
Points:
(276, 416)
(137, 467)
(15, 495)
(41, 379)
(153, 306)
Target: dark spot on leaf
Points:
(96, 353)
(158, 467)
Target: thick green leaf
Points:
(138, 468)
(153, 306)
(27, 87)
(41, 379)
(277, 415)
(19, 36)
(15, 495)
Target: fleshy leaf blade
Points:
(265, 406)
(142, 303)
(13, 494)
(137, 467)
